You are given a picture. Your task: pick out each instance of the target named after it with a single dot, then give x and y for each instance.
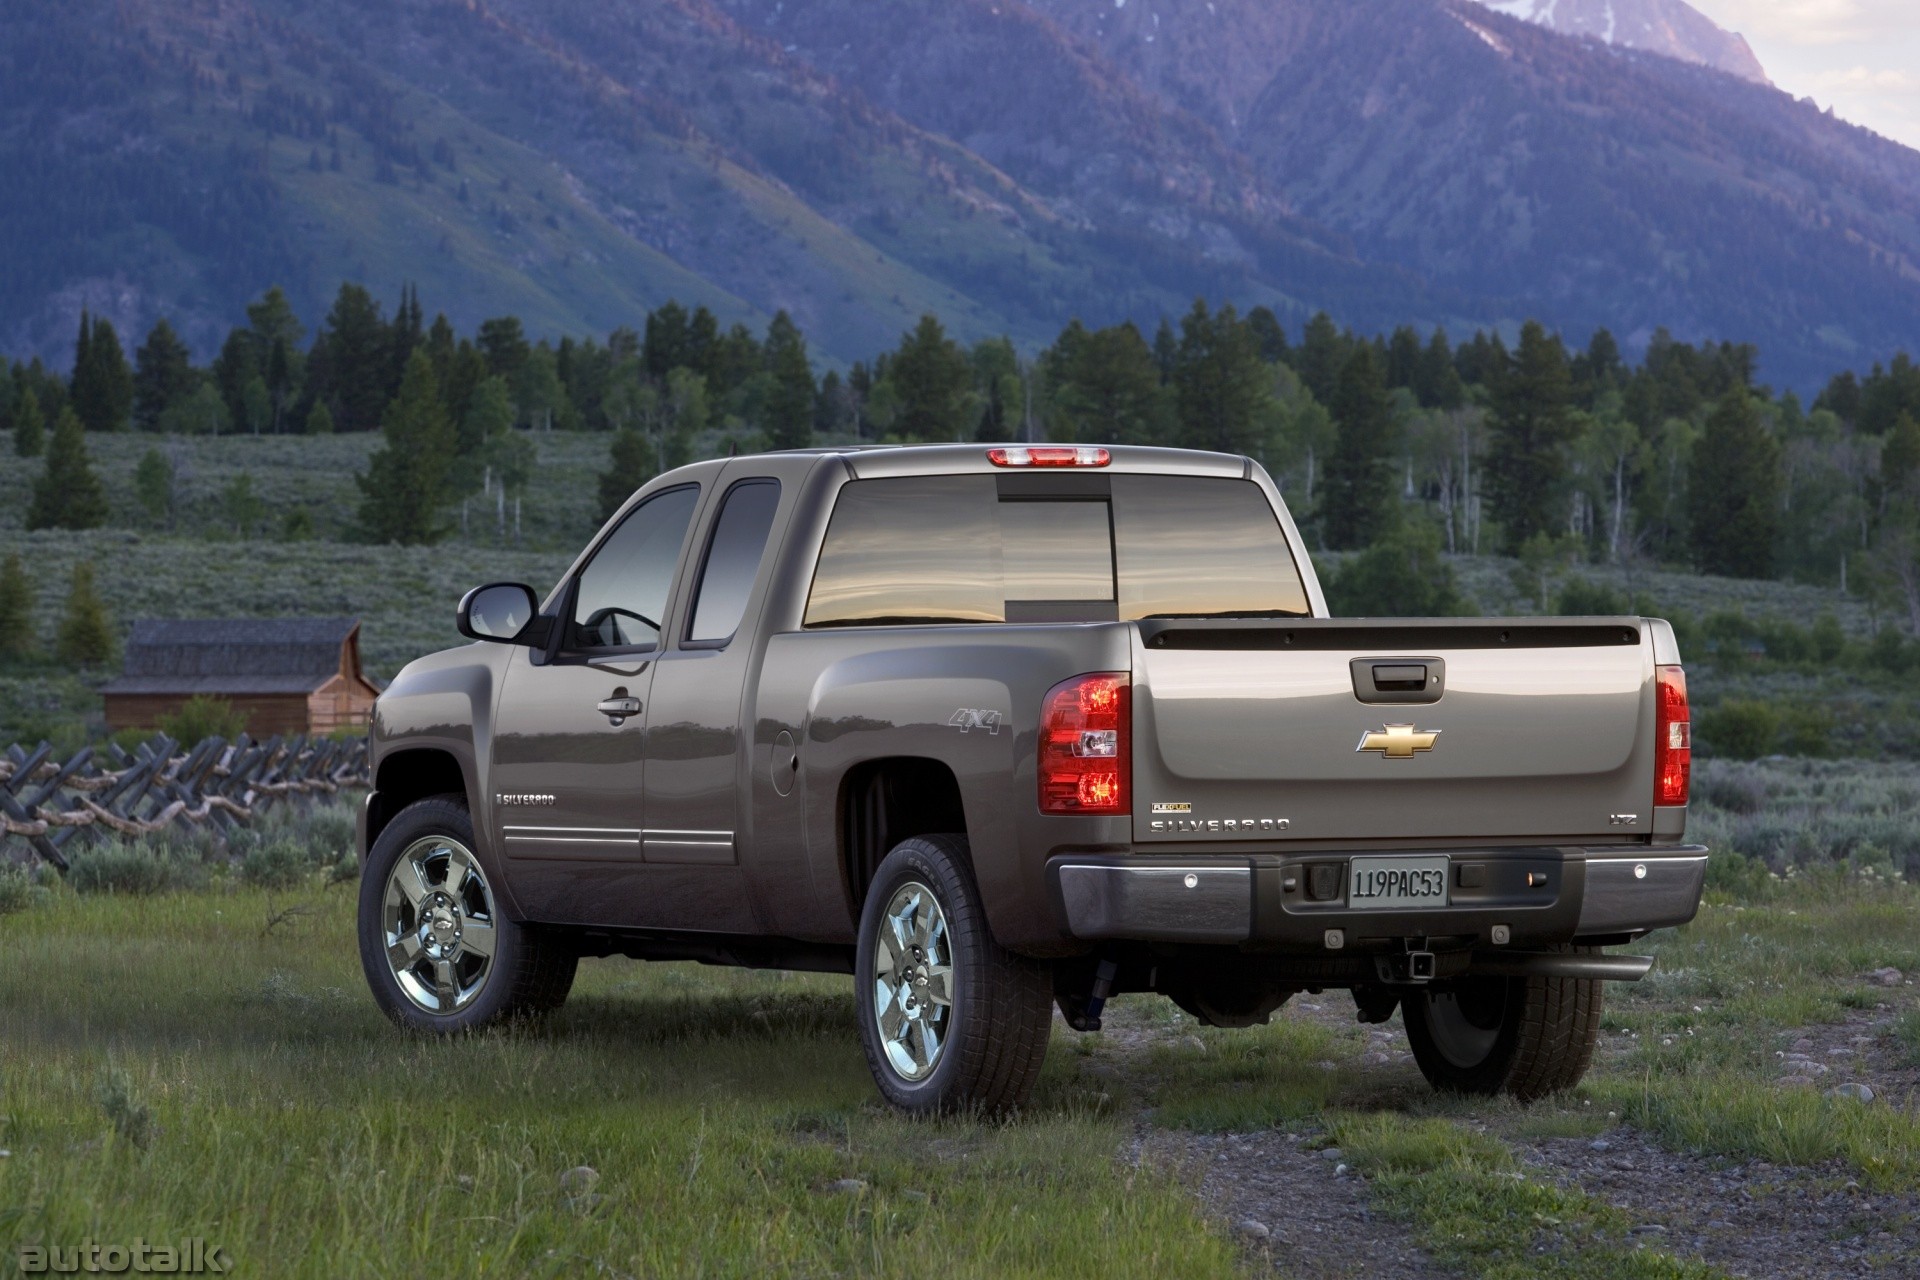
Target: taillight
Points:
(1041, 455)
(1084, 726)
(1672, 736)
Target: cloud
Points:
(1894, 80)
(1813, 22)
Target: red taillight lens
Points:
(1672, 736)
(1084, 757)
(1040, 455)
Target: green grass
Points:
(174, 1066)
(207, 1062)
(1478, 1213)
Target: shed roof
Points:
(235, 655)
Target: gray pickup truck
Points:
(1000, 729)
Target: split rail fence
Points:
(159, 785)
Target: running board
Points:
(1560, 964)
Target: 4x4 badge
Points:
(1398, 741)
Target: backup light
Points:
(1040, 455)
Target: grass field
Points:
(206, 1062)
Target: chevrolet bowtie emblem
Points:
(1397, 741)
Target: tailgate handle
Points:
(1399, 680)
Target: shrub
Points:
(1400, 576)
(1740, 728)
(17, 889)
(85, 639)
(202, 717)
(133, 869)
(277, 864)
(1805, 730)
(1739, 876)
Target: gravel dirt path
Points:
(1296, 1213)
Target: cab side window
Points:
(734, 551)
(622, 595)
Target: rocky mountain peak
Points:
(1671, 28)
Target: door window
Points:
(734, 551)
(622, 596)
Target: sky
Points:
(1860, 57)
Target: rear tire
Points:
(950, 1020)
(1524, 1037)
(438, 953)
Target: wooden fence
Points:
(48, 804)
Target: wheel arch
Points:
(884, 801)
(412, 774)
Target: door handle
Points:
(618, 709)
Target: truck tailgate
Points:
(1429, 730)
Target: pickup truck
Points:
(1000, 730)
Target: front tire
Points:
(950, 1020)
(1524, 1037)
(438, 953)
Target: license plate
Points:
(1378, 884)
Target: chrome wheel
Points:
(438, 924)
(1464, 1021)
(913, 981)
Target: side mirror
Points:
(501, 611)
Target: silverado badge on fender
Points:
(1398, 741)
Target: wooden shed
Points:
(287, 675)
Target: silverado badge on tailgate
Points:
(1398, 741)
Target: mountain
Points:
(1007, 164)
(1668, 27)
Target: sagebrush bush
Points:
(140, 868)
(277, 864)
(1809, 813)
(17, 890)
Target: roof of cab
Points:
(868, 462)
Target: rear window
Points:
(985, 548)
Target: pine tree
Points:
(1107, 388)
(1531, 428)
(1403, 358)
(1222, 389)
(319, 419)
(668, 345)
(153, 486)
(102, 382)
(1358, 505)
(84, 639)
(503, 342)
(348, 368)
(68, 494)
(1320, 357)
(1269, 334)
(29, 425)
(407, 483)
(629, 465)
(789, 404)
(933, 380)
(16, 610)
(1733, 491)
(1437, 385)
(703, 346)
(1900, 460)
(1166, 350)
(236, 368)
(163, 373)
